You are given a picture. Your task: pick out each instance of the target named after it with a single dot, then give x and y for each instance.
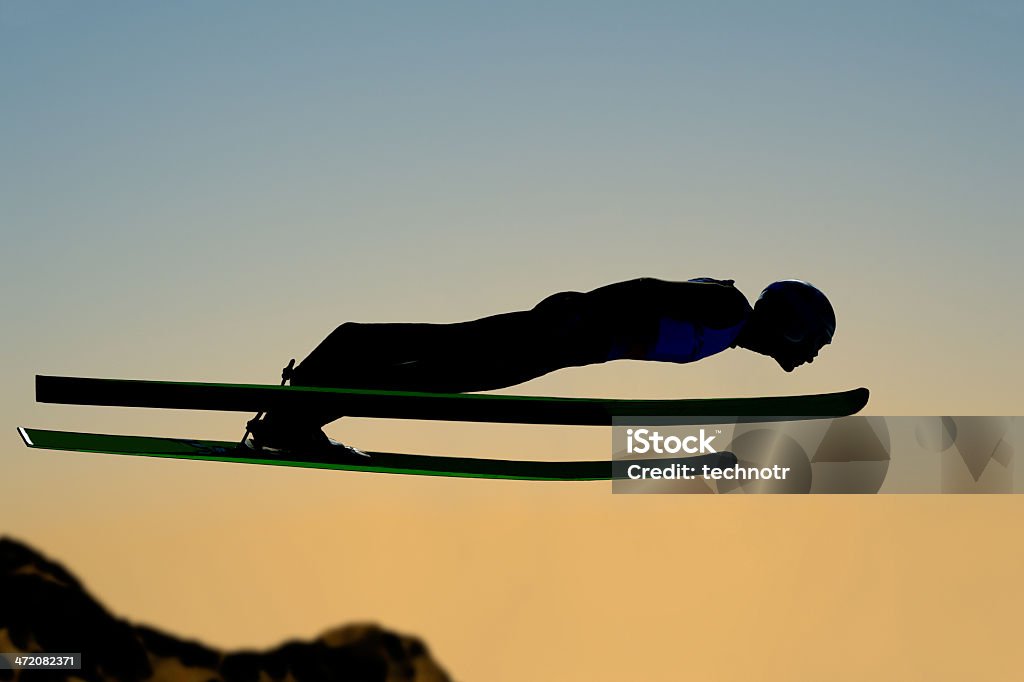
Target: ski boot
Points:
(293, 435)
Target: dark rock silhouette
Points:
(43, 608)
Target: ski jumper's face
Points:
(791, 353)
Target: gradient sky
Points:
(201, 191)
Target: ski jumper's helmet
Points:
(799, 307)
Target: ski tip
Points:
(860, 397)
(25, 437)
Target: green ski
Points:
(471, 407)
(377, 462)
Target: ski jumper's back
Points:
(645, 319)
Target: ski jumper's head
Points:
(792, 320)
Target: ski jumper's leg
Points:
(493, 352)
(480, 355)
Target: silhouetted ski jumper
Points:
(641, 319)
